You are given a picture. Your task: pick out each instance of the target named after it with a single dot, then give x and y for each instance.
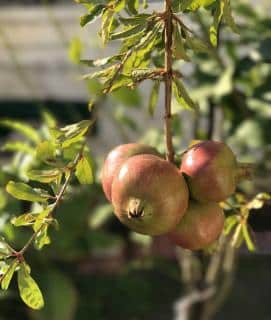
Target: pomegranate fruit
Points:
(201, 225)
(149, 195)
(116, 158)
(212, 171)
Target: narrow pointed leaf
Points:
(93, 14)
(9, 274)
(248, 240)
(107, 22)
(182, 96)
(19, 146)
(23, 128)
(128, 32)
(44, 176)
(216, 22)
(154, 97)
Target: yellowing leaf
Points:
(29, 290)
(84, 171)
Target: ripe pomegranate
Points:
(149, 195)
(212, 171)
(201, 225)
(116, 158)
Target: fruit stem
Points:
(244, 171)
(168, 80)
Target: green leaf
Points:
(107, 23)
(182, 96)
(127, 32)
(196, 44)
(42, 237)
(45, 151)
(191, 5)
(119, 82)
(102, 62)
(24, 219)
(259, 201)
(41, 218)
(5, 250)
(228, 18)
(5, 281)
(84, 171)
(92, 14)
(58, 288)
(102, 74)
(44, 176)
(143, 73)
(133, 6)
(248, 240)
(135, 20)
(73, 133)
(119, 5)
(18, 146)
(75, 50)
(3, 199)
(178, 45)
(196, 4)
(154, 97)
(23, 191)
(29, 290)
(216, 22)
(230, 222)
(23, 128)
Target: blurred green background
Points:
(95, 268)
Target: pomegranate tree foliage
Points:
(52, 156)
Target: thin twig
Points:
(168, 80)
(20, 254)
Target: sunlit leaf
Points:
(127, 32)
(18, 146)
(29, 290)
(73, 133)
(103, 61)
(107, 22)
(23, 128)
(135, 20)
(44, 176)
(92, 14)
(23, 191)
(5, 281)
(24, 219)
(5, 250)
(248, 240)
(40, 219)
(84, 171)
(42, 239)
(216, 22)
(75, 50)
(46, 151)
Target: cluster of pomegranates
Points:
(152, 196)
